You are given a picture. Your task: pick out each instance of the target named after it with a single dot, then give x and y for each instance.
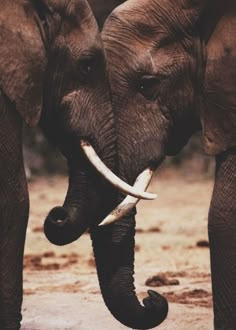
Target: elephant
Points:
(52, 73)
(168, 65)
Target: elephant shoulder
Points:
(22, 60)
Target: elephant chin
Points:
(61, 226)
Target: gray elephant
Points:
(172, 72)
(52, 72)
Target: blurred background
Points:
(40, 156)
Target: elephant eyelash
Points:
(93, 56)
(91, 53)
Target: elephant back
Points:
(22, 59)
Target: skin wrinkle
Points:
(136, 155)
(76, 55)
(95, 117)
(159, 21)
(122, 42)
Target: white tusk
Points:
(110, 176)
(129, 202)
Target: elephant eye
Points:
(147, 85)
(85, 68)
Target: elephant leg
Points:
(222, 237)
(14, 208)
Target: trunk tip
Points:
(60, 229)
(157, 305)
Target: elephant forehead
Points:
(151, 23)
(129, 57)
(124, 49)
(131, 36)
(136, 31)
(125, 61)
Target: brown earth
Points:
(172, 257)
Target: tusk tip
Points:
(105, 222)
(150, 196)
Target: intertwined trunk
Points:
(114, 254)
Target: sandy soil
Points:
(172, 256)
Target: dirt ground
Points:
(172, 256)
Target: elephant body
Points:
(52, 72)
(172, 72)
(219, 115)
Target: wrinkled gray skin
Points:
(169, 71)
(51, 65)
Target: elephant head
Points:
(53, 71)
(155, 52)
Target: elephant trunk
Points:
(114, 254)
(62, 226)
(84, 203)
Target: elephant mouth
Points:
(65, 224)
(141, 183)
(137, 191)
(129, 202)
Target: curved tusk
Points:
(129, 202)
(110, 176)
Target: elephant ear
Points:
(22, 58)
(206, 13)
